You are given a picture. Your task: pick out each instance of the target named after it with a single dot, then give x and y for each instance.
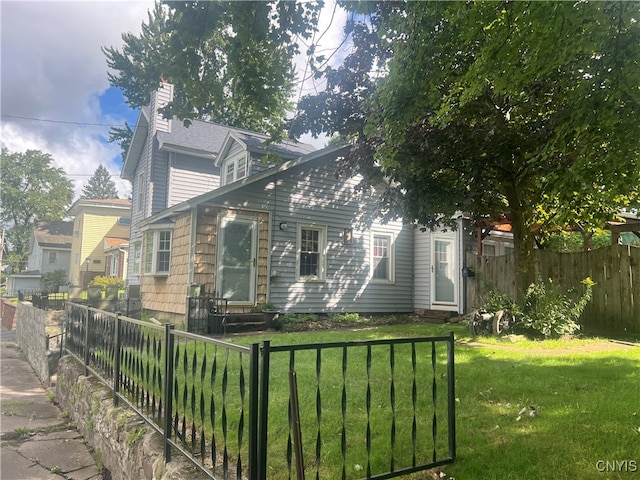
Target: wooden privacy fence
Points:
(615, 307)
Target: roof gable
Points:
(53, 234)
(259, 144)
(138, 140)
(326, 154)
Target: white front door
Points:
(237, 257)
(444, 269)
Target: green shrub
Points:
(500, 301)
(103, 282)
(547, 310)
(52, 281)
(295, 322)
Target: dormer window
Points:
(235, 168)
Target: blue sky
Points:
(55, 95)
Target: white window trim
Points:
(322, 247)
(391, 271)
(154, 257)
(114, 265)
(235, 160)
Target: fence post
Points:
(297, 433)
(86, 341)
(263, 411)
(451, 400)
(116, 363)
(168, 388)
(254, 389)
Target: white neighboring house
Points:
(49, 250)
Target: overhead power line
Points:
(48, 120)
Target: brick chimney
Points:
(159, 99)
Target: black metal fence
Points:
(207, 314)
(372, 409)
(43, 300)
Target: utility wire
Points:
(61, 121)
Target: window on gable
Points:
(311, 258)
(235, 168)
(157, 255)
(382, 259)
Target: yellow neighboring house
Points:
(93, 222)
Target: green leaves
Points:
(231, 62)
(31, 189)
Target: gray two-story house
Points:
(221, 209)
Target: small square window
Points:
(235, 168)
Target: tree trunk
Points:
(523, 242)
(524, 260)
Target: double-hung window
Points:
(382, 257)
(311, 258)
(157, 255)
(53, 258)
(235, 168)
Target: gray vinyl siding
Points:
(422, 269)
(139, 214)
(159, 181)
(190, 177)
(310, 194)
(258, 164)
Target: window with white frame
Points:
(382, 257)
(157, 257)
(235, 168)
(311, 258)
(137, 256)
(115, 265)
(53, 257)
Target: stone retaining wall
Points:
(127, 446)
(31, 334)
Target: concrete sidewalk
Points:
(36, 439)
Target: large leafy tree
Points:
(528, 109)
(100, 185)
(232, 62)
(31, 189)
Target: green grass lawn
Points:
(530, 410)
(554, 409)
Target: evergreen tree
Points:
(100, 186)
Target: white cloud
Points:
(53, 69)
